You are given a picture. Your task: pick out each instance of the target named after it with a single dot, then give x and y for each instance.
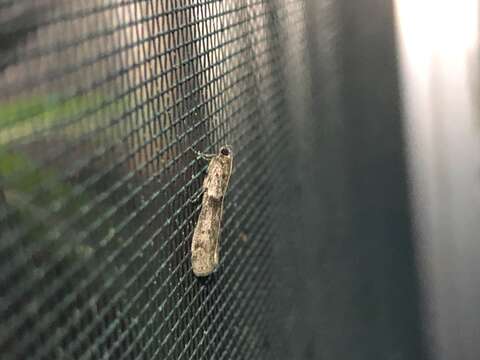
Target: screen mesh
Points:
(100, 105)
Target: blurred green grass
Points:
(30, 188)
(21, 117)
(51, 108)
(38, 202)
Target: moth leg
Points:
(202, 155)
(196, 197)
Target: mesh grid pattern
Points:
(100, 102)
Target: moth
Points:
(205, 241)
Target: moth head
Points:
(226, 150)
